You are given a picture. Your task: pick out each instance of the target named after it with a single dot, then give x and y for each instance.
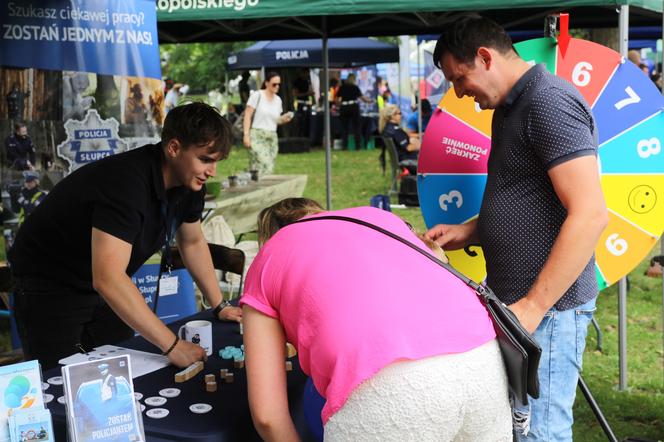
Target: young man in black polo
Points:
(73, 257)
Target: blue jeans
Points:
(562, 335)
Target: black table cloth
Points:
(230, 418)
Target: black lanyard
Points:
(169, 234)
(170, 225)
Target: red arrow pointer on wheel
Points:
(563, 37)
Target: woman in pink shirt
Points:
(400, 348)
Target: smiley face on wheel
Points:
(642, 199)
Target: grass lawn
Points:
(356, 177)
(638, 412)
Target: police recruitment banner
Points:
(113, 37)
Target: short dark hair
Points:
(463, 36)
(198, 124)
(19, 125)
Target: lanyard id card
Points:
(168, 285)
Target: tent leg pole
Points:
(597, 411)
(622, 333)
(623, 28)
(226, 93)
(419, 94)
(326, 119)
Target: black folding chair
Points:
(390, 159)
(223, 258)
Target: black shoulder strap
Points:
(260, 94)
(481, 290)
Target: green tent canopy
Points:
(239, 20)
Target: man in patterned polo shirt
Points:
(543, 209)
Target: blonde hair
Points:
(386, 114)
(289, 210)
(280, 214)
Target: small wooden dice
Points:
(189, 372)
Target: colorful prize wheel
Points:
(628, 110)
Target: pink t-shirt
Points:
(353, 300)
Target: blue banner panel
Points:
(112, 37)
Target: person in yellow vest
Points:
(31, 195)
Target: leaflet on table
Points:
(20, 385)
(100, 401)
(141, 362)
(31, 425)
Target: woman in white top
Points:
(260, 136)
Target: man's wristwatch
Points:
(219, 308)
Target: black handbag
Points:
(521, 353)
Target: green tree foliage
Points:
(200, 65)
(389, 39)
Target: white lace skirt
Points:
(456, 397)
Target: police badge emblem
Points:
(90, 140)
